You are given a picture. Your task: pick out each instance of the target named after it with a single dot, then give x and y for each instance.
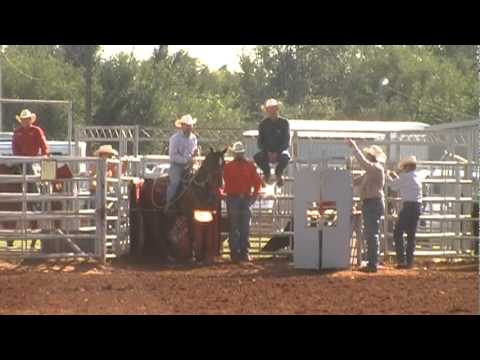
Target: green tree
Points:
(85, 56)
(39, 72)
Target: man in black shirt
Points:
(273, 142)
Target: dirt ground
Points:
(261, 287)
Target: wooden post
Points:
(100, 211)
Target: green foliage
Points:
(435, 83)
(426, 83)
(39, 72)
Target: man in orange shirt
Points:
(242, 184)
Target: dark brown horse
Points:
(170, 235)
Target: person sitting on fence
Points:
(409, 185)
(181, 150)
(240, 178)
(104, 152)
(372, 196)
(273, 142)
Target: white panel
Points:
(336, 185)
(322, 185)
(306, 189)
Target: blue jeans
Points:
(407, 223)
(175, 176)
(239, 215)
(261, 159)
(372, 211)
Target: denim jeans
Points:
(372, 211)
(407, 223)
(261, 159)
(239, 215)
(175, 176)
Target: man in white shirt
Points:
(182, 148)
(409, 185)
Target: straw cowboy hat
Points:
(106, 149)
(26, 114)
(271, 103)
(185, 119)
(407, 161)
(238, 148)
(376, 152)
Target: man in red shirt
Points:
(242, 184)
(29, 140)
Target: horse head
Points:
(209, 177)
(214, 162)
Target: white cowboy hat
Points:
(26, 114)
(106, 149)
(271, 103)
(185, 119)
(407, 161)
(238, 148)
(377, 152)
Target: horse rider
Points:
(273, 141)
(182, 149)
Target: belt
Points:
(241, 196)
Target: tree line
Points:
(427, 83)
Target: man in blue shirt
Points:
(409, 185)
(273, 142)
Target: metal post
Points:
(101, 210)
(386, 236)
(137, 140)
(70, 127)
(1, 95)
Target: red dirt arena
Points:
(260, 287)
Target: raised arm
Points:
(364, 163)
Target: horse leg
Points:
(198, 241)
(150, 234)
(162, 235)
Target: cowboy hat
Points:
(407, 161)
(376, 152)
(185, 119)
(271, 103)
(238, 148)
(26, 114)
(106, 149)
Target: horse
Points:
(168, 235)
